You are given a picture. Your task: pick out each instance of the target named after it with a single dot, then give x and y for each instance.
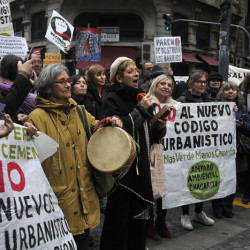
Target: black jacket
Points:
(189, 98)
(122, 102)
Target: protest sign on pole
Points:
(30, 217)
(13, 45)
(167, 49)
(199, 153)
(237, 75)
(88, 44)
(6, 26)
(59, 31)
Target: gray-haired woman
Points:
(68, 170)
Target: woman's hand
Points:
(116, 122)
(7, 126)
(31, 129)
(235, 108)
(149, 101)
(21, 118)
(26, 67)
(34, 77)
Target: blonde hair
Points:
(156, 81)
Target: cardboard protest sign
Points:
(199, 153)
(88, 44)
(13, 45)
(167, 49)
(51, 58)
(59, 31)
(237, 75)
(6, 26)
(30, 217)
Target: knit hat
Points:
(215, 76)
(156, 71)
(114, 66)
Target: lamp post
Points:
(224, 41)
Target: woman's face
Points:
(230, 94)
(130, 75)
(164, 89)
(100, 78)
(199, 86)
(80, 88)
(61, 88)
(214, 83)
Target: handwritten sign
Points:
(199, 153)
(12, 45)
(29, 213)
(6, 26)
(167, 49)
(51, 58)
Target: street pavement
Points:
(226, 233)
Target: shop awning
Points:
(188, 57)
(209, 60)
(108, 55)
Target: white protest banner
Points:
(13, 45)
(30, 217)
(59, 31)
(237, 75)
(167, 49)
(199, 153)
(6, 26)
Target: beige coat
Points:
(68, 171)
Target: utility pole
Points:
(224, 41)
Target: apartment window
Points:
(130, 24)
(39, 26)
(18, 27)
(180, 28)
(203, 36)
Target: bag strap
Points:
(83, 117)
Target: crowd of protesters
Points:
(46, 99)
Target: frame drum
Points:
(111, 150)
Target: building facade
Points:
(139, 22)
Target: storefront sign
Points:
(110, 34)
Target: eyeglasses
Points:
(36, 62)
(132, 71)
(149, 68)
(201, 82)
(63, 81)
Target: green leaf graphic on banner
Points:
(203, 180)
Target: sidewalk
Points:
(225, 234)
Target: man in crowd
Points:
(146, 70)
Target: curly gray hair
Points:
(46, 78)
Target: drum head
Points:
(109, 149)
